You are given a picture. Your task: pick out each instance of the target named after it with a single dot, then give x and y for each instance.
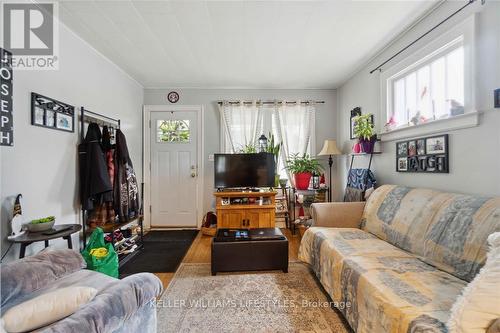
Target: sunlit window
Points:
(173, 131)
(430, 89)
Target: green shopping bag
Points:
(101, 256)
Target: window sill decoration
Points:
(466, 120)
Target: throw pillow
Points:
(46, 308)
(478, 306)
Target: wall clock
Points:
(173, 97)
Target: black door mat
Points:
(163, 252)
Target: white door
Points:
(174, 168)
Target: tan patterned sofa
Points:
(399, 261)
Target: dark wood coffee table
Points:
(32, 237)
(264, 249)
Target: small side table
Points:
(33, 237)
(312, 196)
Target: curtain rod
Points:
(469, 2)
(269, 102)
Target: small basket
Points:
(208, 231)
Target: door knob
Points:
(193, 174)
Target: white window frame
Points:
(462, 34)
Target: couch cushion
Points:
(46, 308)
(479, 306)
(81, 278)
(22, 277)
(446, 230)
(389, 290)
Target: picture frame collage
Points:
(428, 154)
(50, 113)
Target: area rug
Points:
(163, 251)
(272, 301)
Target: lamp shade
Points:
(330, 148)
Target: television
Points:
(244, 170)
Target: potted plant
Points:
(302, 168)
(275, 150)
(249, 148)
(364, 131)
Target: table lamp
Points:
(329, 149)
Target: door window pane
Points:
(173, 131)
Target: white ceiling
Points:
(239, 44)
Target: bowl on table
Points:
(41, 224)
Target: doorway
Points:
(173, 166)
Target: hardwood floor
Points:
(199, 252)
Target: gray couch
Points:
(120, 305)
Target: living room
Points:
(163, 189)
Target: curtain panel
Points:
(293, 125)
(242, 124)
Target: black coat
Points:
(126, 189)
(95, 185)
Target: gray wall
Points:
(475, 158)
(42, 165)
(326, 126)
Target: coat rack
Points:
(87, 117)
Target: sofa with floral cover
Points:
(400, 260)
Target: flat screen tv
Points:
(244, 170)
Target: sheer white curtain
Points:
(293, 125)
(242, 124)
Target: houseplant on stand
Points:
(364, 131)
(302, 168)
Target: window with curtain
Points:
(292, 124)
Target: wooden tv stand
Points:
(245, 209)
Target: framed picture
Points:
(402, 164)
(412, 148)
(497, 98)
(436, 145)
(50, 118)
(402, 148)
(421, 147)
(64, 122)
(39, 116)
(354, 113)
(50, 113)
(429, 155)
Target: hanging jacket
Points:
(95, 186)
(109, 151)
(126, 189)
